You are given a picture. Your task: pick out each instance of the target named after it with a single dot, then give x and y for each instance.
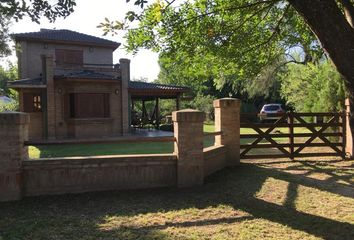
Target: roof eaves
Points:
(15, 86)
(65, 36)
(81, 43)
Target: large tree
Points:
(251, 33)
(330, 20)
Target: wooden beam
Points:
(157, 113)
(178, 102)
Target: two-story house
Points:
(71, 89)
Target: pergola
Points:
(143, 91)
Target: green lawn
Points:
(99, 149)
(264, 199)
(109, 149)
(126, 148)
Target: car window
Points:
(271, 108)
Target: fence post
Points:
(291, 133)
(227, 120)
(188, 131)
(13, 133)
(349, 135)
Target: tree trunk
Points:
(348, 11)
(336, 36)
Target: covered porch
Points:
(146, 93)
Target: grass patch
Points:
(263, 199)
(208, 127)
(99, 149)
(130, 148)
(109, 149)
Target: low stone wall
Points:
(214, 159)
(83, 174)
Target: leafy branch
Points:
(35, 9)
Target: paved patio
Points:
(139, 132)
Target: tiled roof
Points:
(89, 74)
(86, 74)
(154, 86)
(27, 82)
(64, 35)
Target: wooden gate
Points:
(291, 133)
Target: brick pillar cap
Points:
(14, 118)
(188, 115)
(226, 102)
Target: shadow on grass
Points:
(83, 216)
(333, 180)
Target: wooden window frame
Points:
(69, 57)
(73, 103)
(32, 102)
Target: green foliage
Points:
(205, 104)
(4, 36)
(167, 106)
(6, 75)
(313, 87)
(201, 102)
(221, 47)
(13, 106)
(226, 41)
(35, 9)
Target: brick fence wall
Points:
(187, 166)
(13, 132)
(98, 173)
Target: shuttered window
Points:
(69, 58)
(89, 105)
(32, 102)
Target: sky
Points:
(86, 17)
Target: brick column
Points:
(349, 148)
(227, 120)
(22, 60)
(50, 98)
(13, 132)
(188, 131)
(125, 76)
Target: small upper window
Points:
(32, 102)
(69, 58)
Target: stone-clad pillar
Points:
(13, 132)
(349, 148)
(188, 131)
(227, 120)
(125, 76)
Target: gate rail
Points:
(291, 120)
